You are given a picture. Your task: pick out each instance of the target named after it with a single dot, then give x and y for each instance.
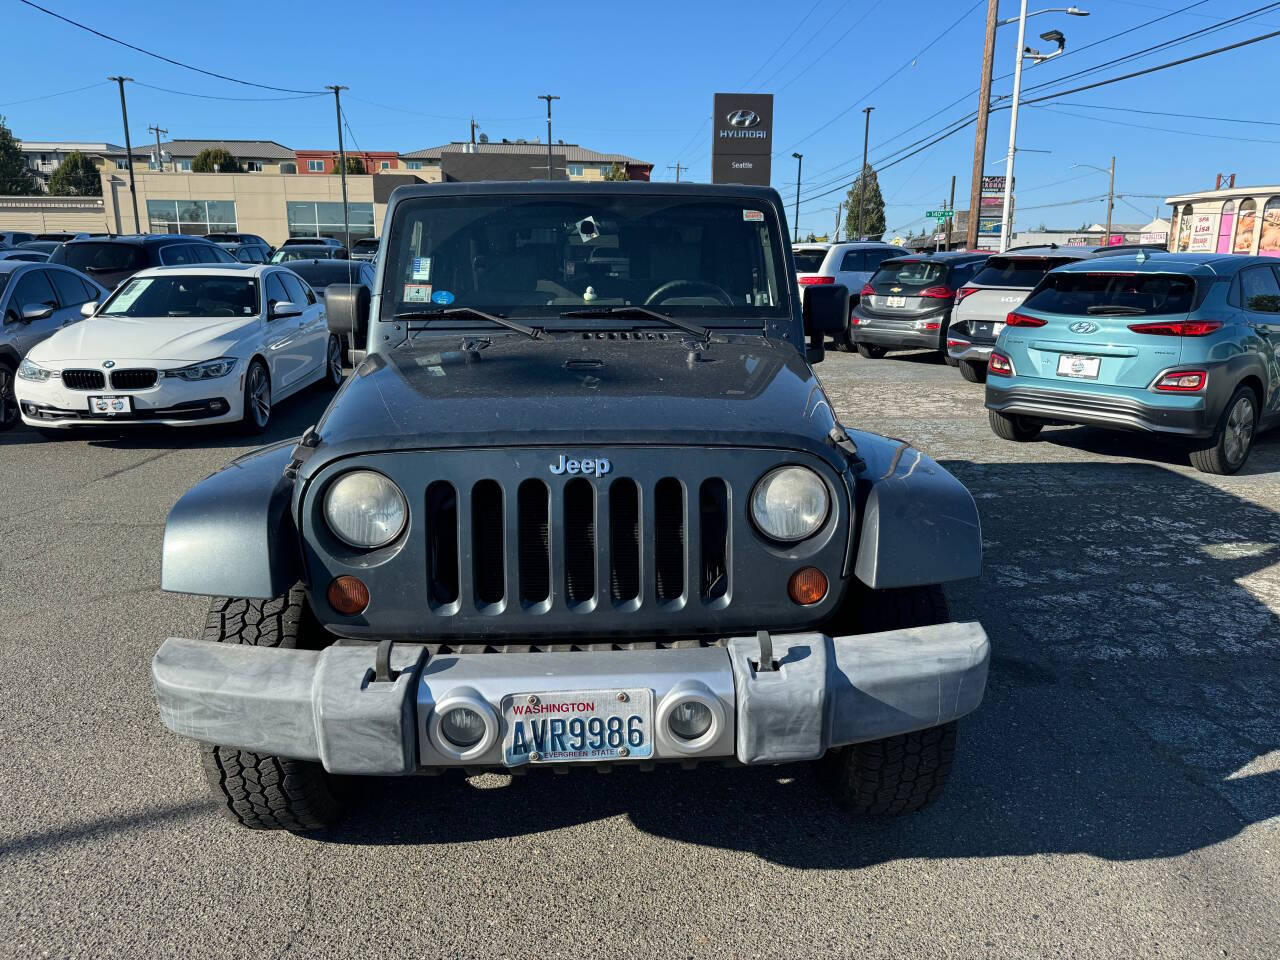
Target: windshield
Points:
(705, 258)
(1075, 293)
(101, 257)
(1024, 272)
(366, 246)
(910, 273)
(809, 261)
(191, 296)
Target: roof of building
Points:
(66, 146)
(571, 152)
(240, 149)
(1226, 193)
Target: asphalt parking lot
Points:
(1116, 795)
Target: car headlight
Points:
(205, 370)
(29, 370)
(789, 503)
(365, 509)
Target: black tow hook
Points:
(382, 672)
(766, 663)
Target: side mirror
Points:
(87, 310)
(346, 310)
(826, 311)
(284, 308)
(36, 311)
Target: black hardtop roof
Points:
(493, 188)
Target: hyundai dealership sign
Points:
(742, 138)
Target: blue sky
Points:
(639, 79)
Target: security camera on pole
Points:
(1035, 56)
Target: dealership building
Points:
(1231, 220)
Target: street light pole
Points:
(128, 149)
(342, 163)
(799, 163)
(862, 174)
(548, 97)
(1006, 212)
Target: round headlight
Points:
(789, 503)
(365, 509)
(462, 727)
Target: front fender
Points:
(232, 534)
(919, 524)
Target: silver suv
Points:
(36, 300)
(851, 264)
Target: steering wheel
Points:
(687, 288)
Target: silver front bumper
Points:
(328, 706)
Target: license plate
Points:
(111, 405)
(987, 329)
(581, 726)
(896, 301)
(1082, 368)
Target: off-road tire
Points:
(897, 774)
(1018, 429)
(261, 791)
(871, 351)
(973, 371)
(1217, 454)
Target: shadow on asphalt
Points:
(1133, 681)
(1264, 458)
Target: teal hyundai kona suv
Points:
(1186, 345)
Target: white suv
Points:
(849, 263)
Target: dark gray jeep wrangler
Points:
(583, 501)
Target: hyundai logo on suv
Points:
(1083, 326)
(743, 118)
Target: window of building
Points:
(253, 166)
(184, 165)
(384, 165)
(605, 169)
(1244, 227)
(308, 219)
(1269, 241)
(122, 163)
(192, 216)
(413, 164)
(575, 169)
(288, 167)
(1225, 223)
(315, 166)
(1184, 230)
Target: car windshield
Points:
(809, 261)
(184, 296)
(1023, 272)
(910, 273)
(716, 260)
(107, 257)
(366, 246)
(1078, 294)
(302, 253)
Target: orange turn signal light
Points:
(348, 595)
(807, 586)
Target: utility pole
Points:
(473, 131)
(159, 157)
(835, 237)
(1111, 197)
(128, 149)
(862, 174)
(677, 167)
(342, 163)
(548, 97)
(980, 137)
(952, 207)
(799, 164)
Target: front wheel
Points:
(973, 371)
(1019, 429)
(257, 399)
(870, 351)
(897, 774)
(1227, 450)
(8, 399)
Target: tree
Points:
(873, 221)
(617, 171)
(76, 177)
(16, 179)
(354, 165)
(215, 160)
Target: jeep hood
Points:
(575, 390)
(180, 339)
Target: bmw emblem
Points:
(1083, 326)
(108, 364)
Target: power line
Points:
(1166, 113)
(778, 49)
(818, 32)
(49, 96)
(210, 96)
(441, 116)
(1143, 126)
(814, 61)
(158, 56)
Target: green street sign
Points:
(940, 214)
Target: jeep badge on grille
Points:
(597, 466)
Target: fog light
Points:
(462, 727)
(348, 595)
(807, 586)
(689, 720)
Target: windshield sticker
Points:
(421, 268)
(417, 293)
(753, 216)
(442, 297)
(129, 294)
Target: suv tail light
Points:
(964, 292)
(1178, 328)
(815, 281)
(940, 292)
(867, 290)
(1022, 320)
(1184, 381)
(999, 364)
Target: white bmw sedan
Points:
(182, 346)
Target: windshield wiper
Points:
(686, 325)
(1116, 308)
(533, 333)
